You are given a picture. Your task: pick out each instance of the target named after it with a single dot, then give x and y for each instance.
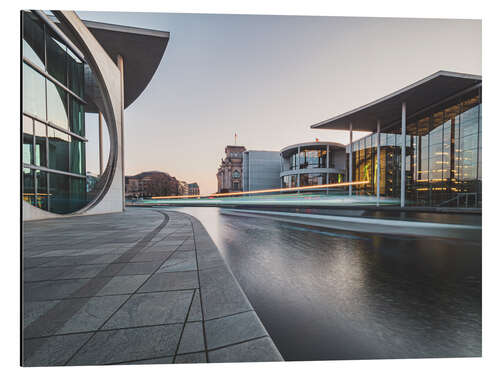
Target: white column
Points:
(298, 168)
(119, 63)
(378, 162)
(350, 157)
(403, 153)
(327, 165)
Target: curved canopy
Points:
(141, 49)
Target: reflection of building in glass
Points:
(71, 67)
(229, 173)
(442, 147)
(53, 120)
(261, 170)
(193, 189)
(313, 163)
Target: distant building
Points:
(229, 175)
(261, 170)
(312, 163)
(154, 183)
(183, 188)
(193, 189)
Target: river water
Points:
(325, 295)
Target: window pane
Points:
(469, 142)
(75, 72)
(33, 92)
(42, 198)
(59, 193)
(40, 144)
(76, 117)
(56, 58)
(27, 140)
(77, 156)
(58, 149)
(57, 105)
(77, 193)
(28, 186)
(33, 44)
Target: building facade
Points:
(183, 188)
(426, 147)
(313, 163)
(69, 68)
(261, 170)
(229, 174)
(193, 189)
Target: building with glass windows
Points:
(71, 68)
(261, 170)
(425, 148)
(313, 163)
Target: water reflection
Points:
(325, 294)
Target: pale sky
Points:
(268, 78)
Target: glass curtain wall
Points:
(309, 157)
(53, 149)
(443, 157)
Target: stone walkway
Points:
(142, 286)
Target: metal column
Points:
(378, 162)
(350, 157)
(403, 153)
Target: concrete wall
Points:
(261, 170)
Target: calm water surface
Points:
(325, 294)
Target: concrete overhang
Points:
(307, 144)
(141, 49)
(418, 96)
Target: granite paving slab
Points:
(152, 308)
(191, 358)
(140, 287)
(180, 261)
(52, 351)
(171, 281)
(221, 294)
(107, 347)
(47, 290)
(192, 338)
(260, 350)
(233, 329)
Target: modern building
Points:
(425, 148)
(71, 67)
(261, 170)
(193, 189)
(229, 174)
(312, 163)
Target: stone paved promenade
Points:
(142, 286)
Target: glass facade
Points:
(443, 156)
(53, 123)
(315, 164)
(309, 157)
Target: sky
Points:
(268, 78)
